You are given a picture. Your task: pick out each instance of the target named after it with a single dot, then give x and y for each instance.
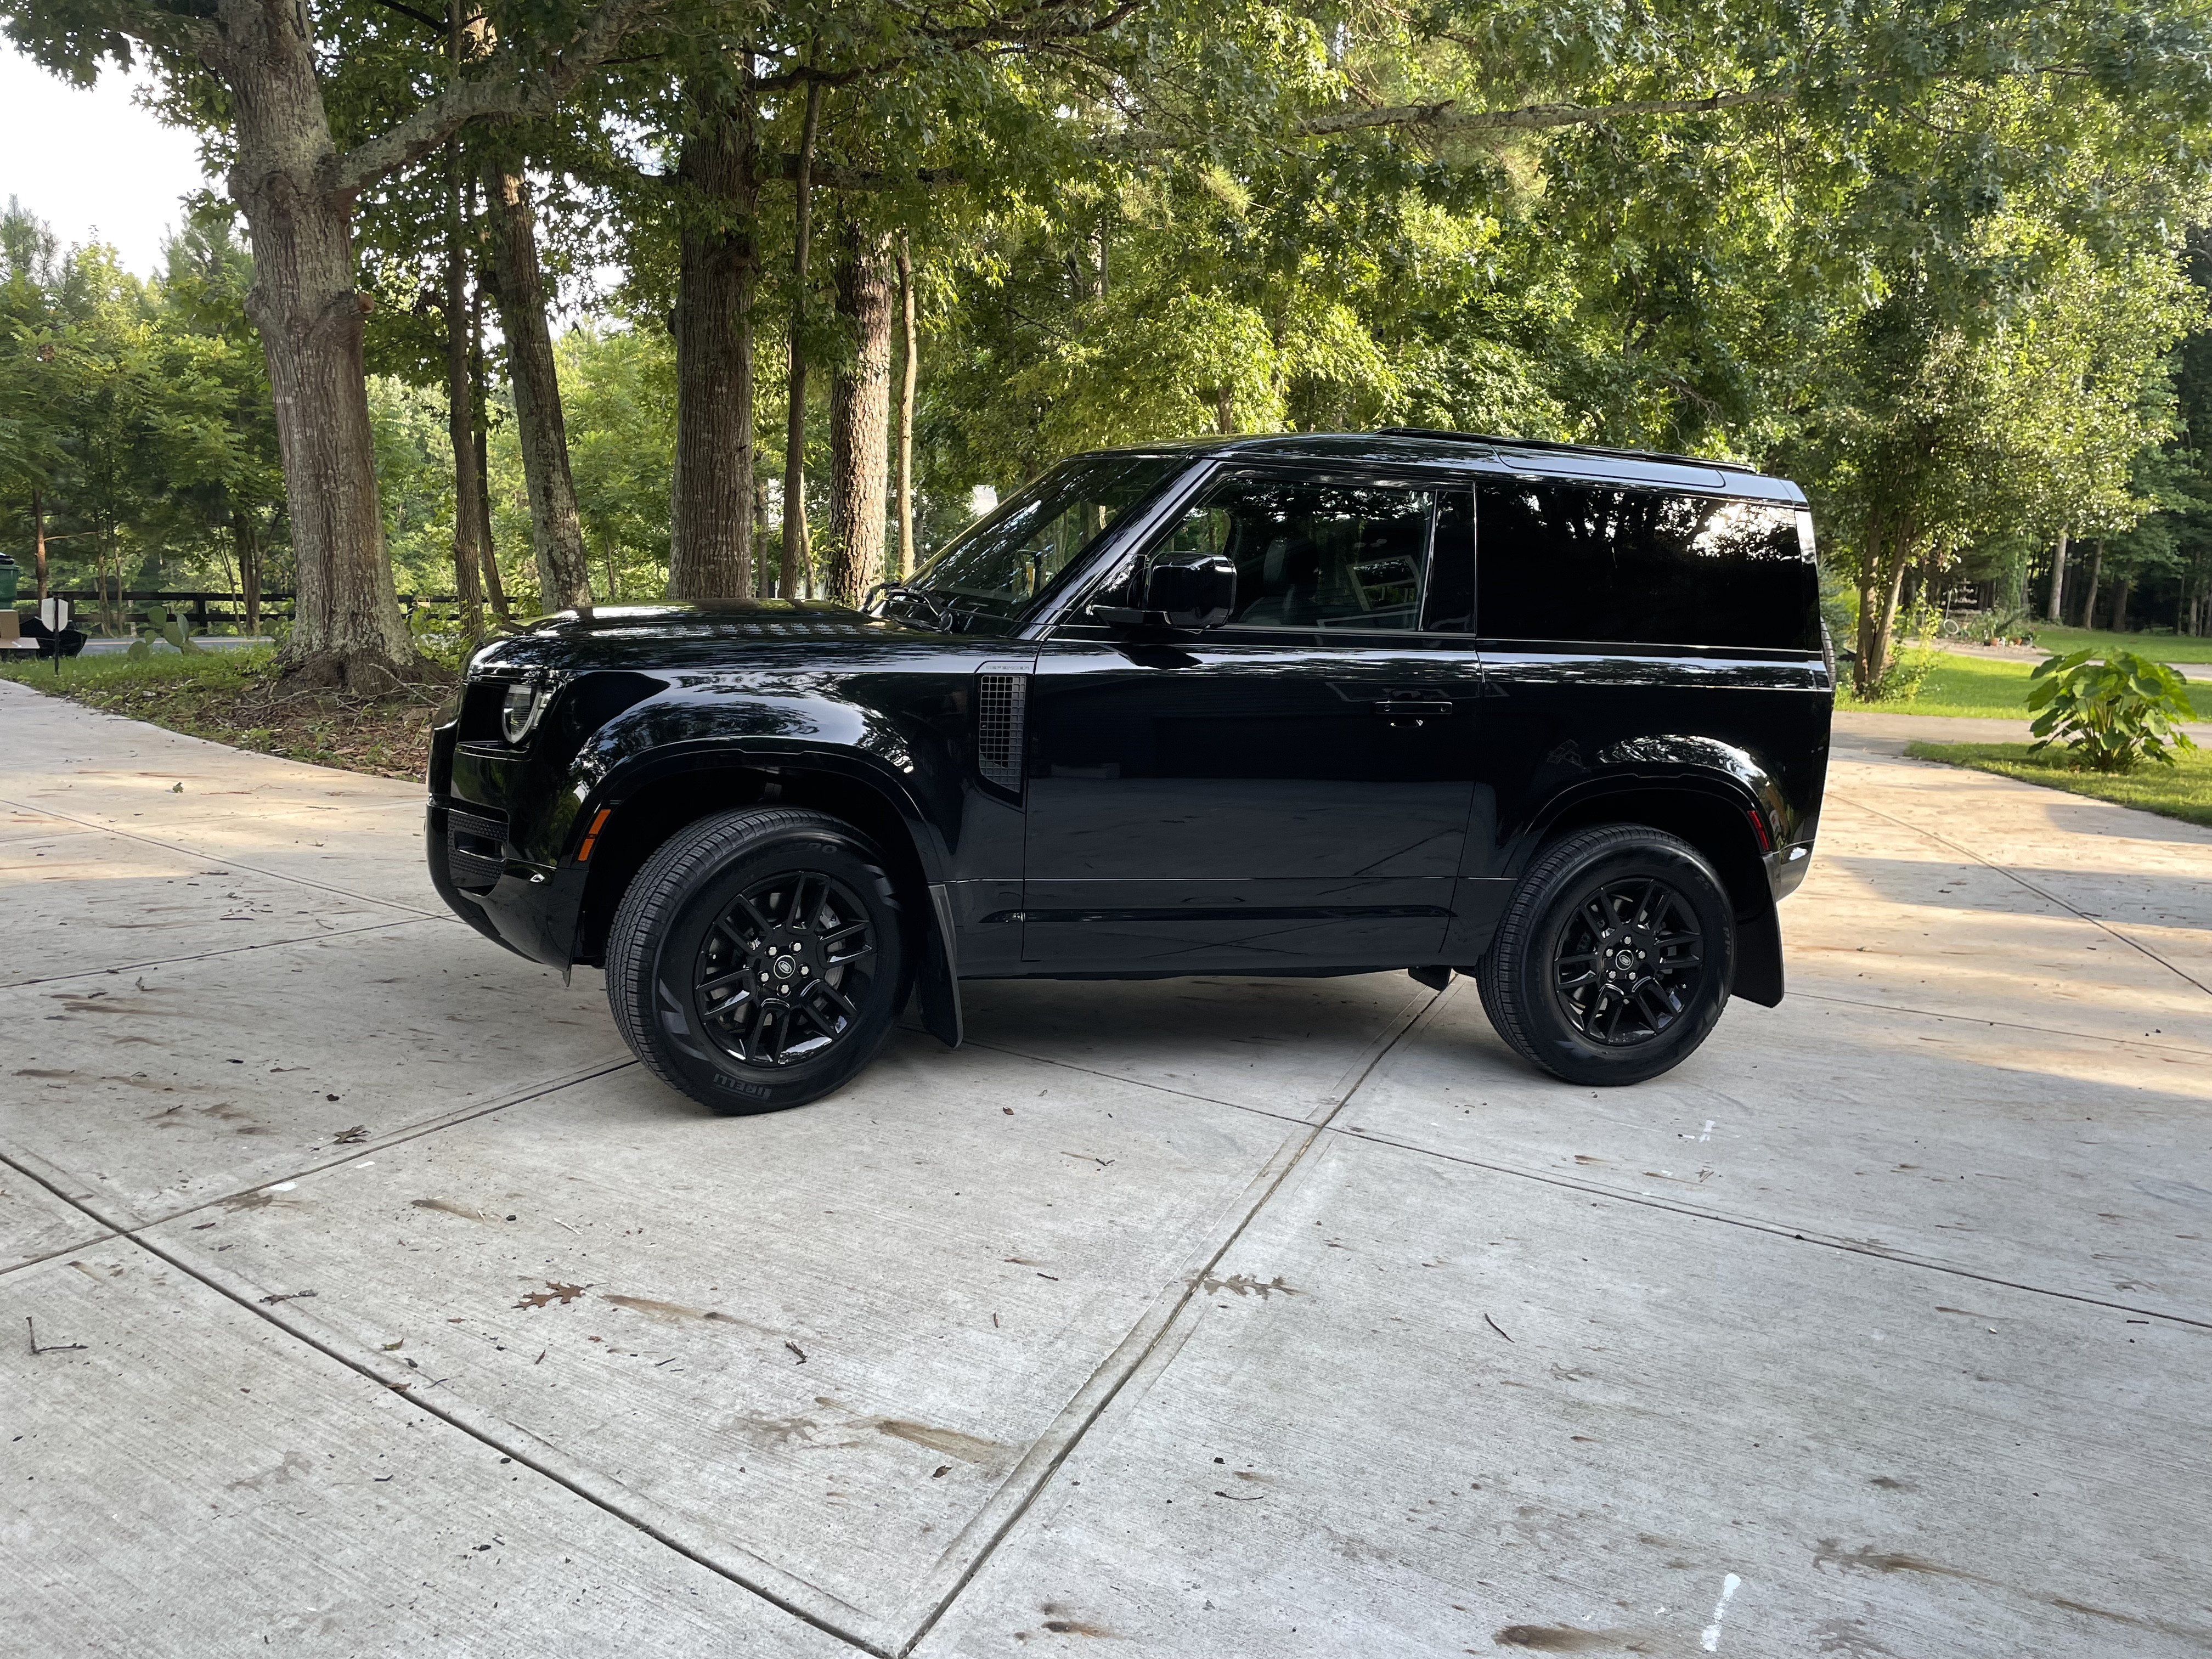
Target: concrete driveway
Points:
(357, 1293)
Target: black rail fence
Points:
(205, 613)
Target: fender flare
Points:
(1759, 976)
(937, 978)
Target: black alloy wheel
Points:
(771, 984)
(1628, 962)
(1615, 957)
(758, 960)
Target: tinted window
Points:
(1451, 565)
(1310, 555)
(1574, 562)
(1004, 563)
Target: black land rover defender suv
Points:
(1553, 717)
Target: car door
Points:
(1287, 791)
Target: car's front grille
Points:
(475, 849)
(999, 700)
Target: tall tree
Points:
(859, 413)
(556, 536)
(711, 544)
(296, 189)
(907, 374)
(794, 437)
(470, 554)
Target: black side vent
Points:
(1000, 699)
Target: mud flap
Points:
(937, 985)
(1759, 957)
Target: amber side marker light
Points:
(1757, 828)
(599, 823)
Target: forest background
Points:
(534, 284)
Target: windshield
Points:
(1005, 562)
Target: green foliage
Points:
(162, 627)
(1908, 668)
(2010, 625)
(619, 386)
(2112, 715)
(1929, 261)
(139, 411)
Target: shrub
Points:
(1912, 658)
(2112, 715)
(2011, 626)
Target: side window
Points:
(1605, 565)
(1450, 606)
(1314, 555)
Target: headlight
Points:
(518, 716)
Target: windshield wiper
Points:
(940, 612)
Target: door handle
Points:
(1412, 711)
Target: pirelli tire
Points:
(1614, 959)
(758, 960)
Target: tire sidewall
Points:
(1566, 1051)
(710, 1074)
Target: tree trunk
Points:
(2096, 575)
(763, 578)
(347, 630)
(906, 416)
(2120, 603)
(38, 541)
(460, 414)
(557, 535)
(244, 539)
(860, 417)
(711, 550)
(2057, 582)
(1881, 584)
(495, 585)
(794, 435)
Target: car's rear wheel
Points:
(1615, 957)
(756, 962)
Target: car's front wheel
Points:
(1615, 957)
(756, 962)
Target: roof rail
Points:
(1564, 448)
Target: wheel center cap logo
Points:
(785, 967)
(1626, 959)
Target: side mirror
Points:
(1182, 589)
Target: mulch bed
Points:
(386, 737)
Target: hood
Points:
(713, 632)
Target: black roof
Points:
(1480, 451)
(1488, 442)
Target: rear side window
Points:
(1612, 566)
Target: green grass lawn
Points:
(2183, 791)
(2159, 647)
(1991, 688)
(164, 671)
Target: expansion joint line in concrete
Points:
(524, 1452)
(1597, 1189)
(1128, 1358)
(251, 869)
(1774, 1229)
(2004, 1024)
(2042, 893)
(226, 951)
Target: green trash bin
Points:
(11, 574)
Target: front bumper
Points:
(531, 909)
(528, 905)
